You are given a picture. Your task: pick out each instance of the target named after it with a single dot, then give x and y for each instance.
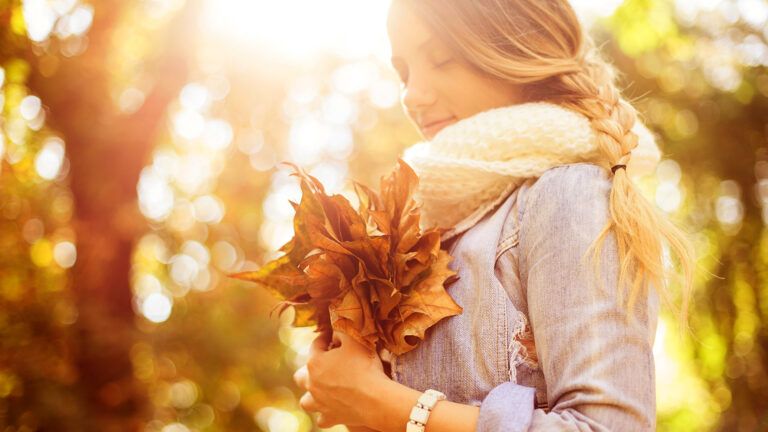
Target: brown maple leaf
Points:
(370, 273)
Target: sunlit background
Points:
(139, 151)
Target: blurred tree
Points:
(38, 369)
(106, 149)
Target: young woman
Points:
(528, 155)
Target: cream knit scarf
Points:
(471, 166)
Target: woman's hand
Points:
(340, 382)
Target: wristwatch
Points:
(420, 412)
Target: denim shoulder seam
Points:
(533, 197)
(523, 257)
(512, 239)
(508, 243)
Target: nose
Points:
(417, 95)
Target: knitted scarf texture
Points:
(472, 165)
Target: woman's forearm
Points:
(389, 406)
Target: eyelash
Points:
(404, 79)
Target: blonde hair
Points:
(541, 45)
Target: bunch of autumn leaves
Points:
(371, 273)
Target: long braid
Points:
(635, 221)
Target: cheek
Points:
(468, 94)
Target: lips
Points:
(431, 128)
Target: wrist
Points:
(371, 400)
(388, 405)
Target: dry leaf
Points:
(370, 273)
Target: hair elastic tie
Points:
(617, 167)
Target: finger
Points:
(348, 342)
(339, 338)
(308, 403)
(301, 377)
(320, 344)
(320, 420)
(324, 421)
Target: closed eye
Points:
(444, 63)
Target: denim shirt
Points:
(539, 345)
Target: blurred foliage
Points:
(701, 79)
(37, 365)
(138, 152)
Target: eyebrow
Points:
(422, 46)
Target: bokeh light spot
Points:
(184, 269)
(39, 18)
(225, 256)
(183, 394)
(30, 107)
(217, 135)
(65, 254)
(189, 124)
(157, 307)
(41, 253)
(49, 160)
(208, 209)
(175, 427)
(277, 420)
(155, 195)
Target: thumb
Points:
(320, 344)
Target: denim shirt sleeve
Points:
(598, 367)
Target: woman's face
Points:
(438, 88)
